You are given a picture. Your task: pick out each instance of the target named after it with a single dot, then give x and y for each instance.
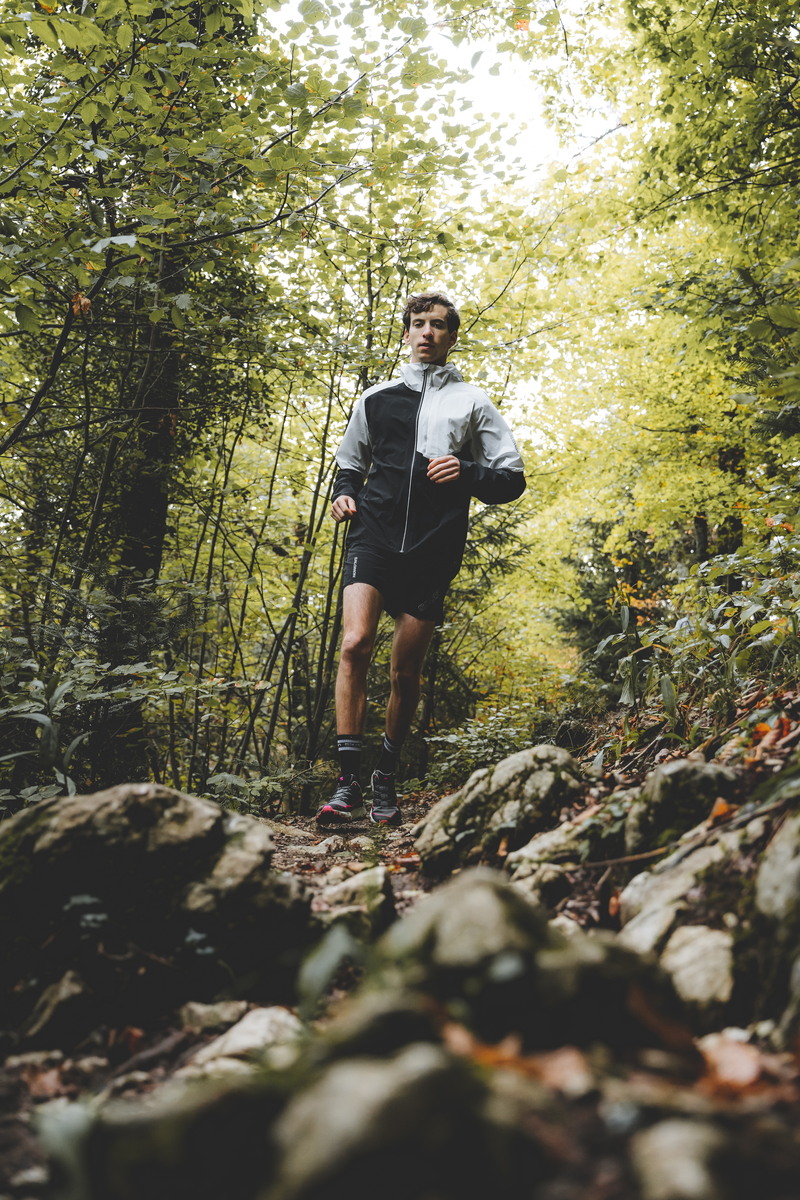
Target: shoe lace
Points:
(347, 791)
(383, 790)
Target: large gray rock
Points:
(150, 896)
(675, 797)
(653, 900)
(594, 833)
(778, 878)
(562, 842)
(419, 1108)
(413, 1124)
(519, 797)
(184, 1140)
(479, 948)
(364, 902)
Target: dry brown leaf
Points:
(730, 1063)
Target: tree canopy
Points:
(211, 216)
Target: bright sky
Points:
(517, 99)
(512, 94)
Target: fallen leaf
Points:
(722, 811)
(730, 1063)
(565, 1070)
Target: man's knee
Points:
(356, 649)
(406, 679)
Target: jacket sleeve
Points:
(496, 475)
(354, 455)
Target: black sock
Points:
(390, 756)
(349, 749)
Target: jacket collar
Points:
(412, 374)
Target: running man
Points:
(425, 444)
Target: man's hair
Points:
(424, 302)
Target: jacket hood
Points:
(412, 374)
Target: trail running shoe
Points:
(384, 809)
(346, 804)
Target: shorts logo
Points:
(429, 601)
(355, 564)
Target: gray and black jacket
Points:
(395, 429)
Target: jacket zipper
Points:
(414, 454)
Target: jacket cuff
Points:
(347, 483)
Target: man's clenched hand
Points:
(444, 470)
(343, 508)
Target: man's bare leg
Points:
(362, 605)
(362, 609)
(411, 640)
(409, 646)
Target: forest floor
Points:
(743, 1082)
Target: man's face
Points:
(428, 336)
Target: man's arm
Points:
(353, 459)
(493, 485)
(497, 474)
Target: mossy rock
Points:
(521, 796)
(152, 896)
(675, 797)
(490, 958)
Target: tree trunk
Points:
(119, 744)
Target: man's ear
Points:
(405, 335)
(454, 337)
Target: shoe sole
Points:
(337, 817)
(394, 819)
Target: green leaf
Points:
(296, 94)
(322, 964)
(141, 95)
(311, 10)
(45, 32)
(669, 696)
(784, 314)
(26, 318)
(352, 106)
(72, 747)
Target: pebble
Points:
(672, 1160)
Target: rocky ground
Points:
(598, 1000)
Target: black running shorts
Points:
(407, 583)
